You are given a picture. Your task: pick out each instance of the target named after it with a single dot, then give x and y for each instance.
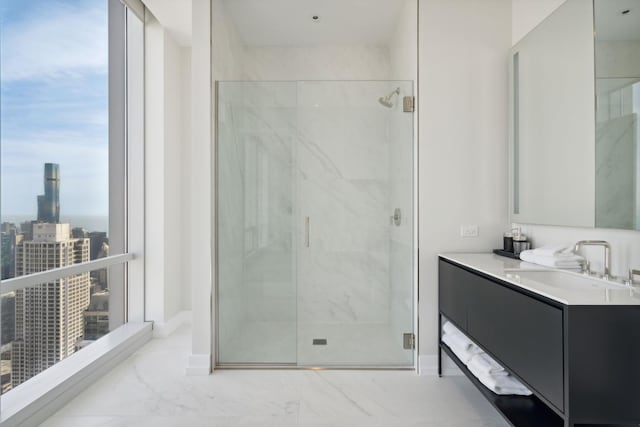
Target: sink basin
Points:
(561, 279)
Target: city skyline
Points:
(54, 103)
(35, 336)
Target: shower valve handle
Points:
(306, 232)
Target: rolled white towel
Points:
(482, 363)
(572, 261)
(462, 341)
(503, 385)
(566, 257)
(456, 334)
(560, 251)
(449, 328)
(463, 353)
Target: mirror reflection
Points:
(617, 56)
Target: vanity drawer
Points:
(524, 333)
(453, 292)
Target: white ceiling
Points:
(290, 23)
(174, 16)
(612, 25)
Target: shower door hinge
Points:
(409, 104)
(409, 341)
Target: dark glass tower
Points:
(49, 202)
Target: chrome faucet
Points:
(607, 254)
(632, 273)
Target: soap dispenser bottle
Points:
(520, 244)
(507, 241)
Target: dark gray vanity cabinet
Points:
(581, 362)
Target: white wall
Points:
(164, 138)
(172, 177)
(227, 51)
(527, 14)
(403, 46)
(154, 162)
(625, 244)
(464, 47)
(618, 59)
(216, 55)
(200, 184)
(317, 63)
(185, 199)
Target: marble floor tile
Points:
(151, 389)
(158, 421)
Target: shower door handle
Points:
(306, 232)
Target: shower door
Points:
(315, 224)
(256, 286)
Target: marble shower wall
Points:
(227, 64)
(343, 189)
(230, 206)
(268, 130)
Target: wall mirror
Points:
(575, 135)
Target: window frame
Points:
(126, 177)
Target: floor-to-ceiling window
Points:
(70, 80)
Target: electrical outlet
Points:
(469, 231)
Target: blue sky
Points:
(53, 100)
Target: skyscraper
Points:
(49, 317)
(10, 239)
(49, 202)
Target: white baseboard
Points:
(199, 365)
(429, 366)
(164, 329)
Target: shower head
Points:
(386, 100)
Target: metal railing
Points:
(48, 276)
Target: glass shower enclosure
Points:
(314, 224)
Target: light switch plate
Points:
(469, 230)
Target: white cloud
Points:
(58, 40)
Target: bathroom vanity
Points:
(573, 341)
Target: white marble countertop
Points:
(513, 271)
